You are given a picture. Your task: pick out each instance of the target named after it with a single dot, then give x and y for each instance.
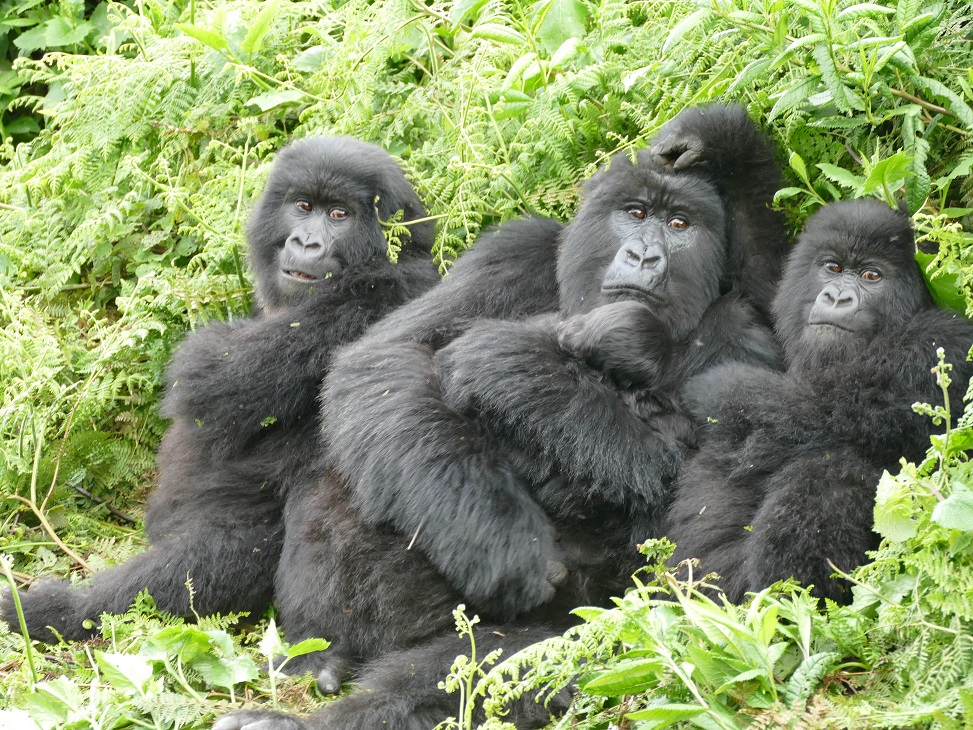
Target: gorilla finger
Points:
(329, 681)
(557, 572)
(692, 156)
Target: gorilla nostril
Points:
(651, 262)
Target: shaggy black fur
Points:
(785, 479)
(519, 458)
(242, 395)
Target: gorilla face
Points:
(317, 247)
(318, 215)
(851, 276)
(645, 235)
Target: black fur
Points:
(785, 479)
(516, 461)
(242, 395)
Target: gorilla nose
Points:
(837, 298)
(650, 259)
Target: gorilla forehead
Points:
(858, 232)
(330, 165)
(644, 181)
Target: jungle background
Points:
(135, 136)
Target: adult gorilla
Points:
(480, 441)
(784, 483)
(242, 395)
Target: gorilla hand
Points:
(623, 340)
(678, 148)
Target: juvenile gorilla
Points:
(481, 441)
(784, 481)
(242, 395)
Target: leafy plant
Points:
(121, 227)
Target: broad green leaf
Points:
(32, 40)
(563, 20)
(625, 678)
(260, 27)
(309, 60)
(52, 702)
(685, 26)
(788, 192)
(805, 679)
(307, 646)
(856, 11)
(499, 33)
(893, 510)
(956, 511)
(889, 174)
(796, 163)
(467, 9)
(665, 715)
(184, 642)
(129, 673)
(226, 672)
(205, 36)
(841, 176)
(959, 108)
(943, 282)
(59, 33)
(272, 99)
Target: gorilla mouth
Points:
(831, 326)
(300, 275)
(633, 292)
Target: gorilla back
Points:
(784, 482)
(243, 396)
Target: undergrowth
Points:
(121, 227)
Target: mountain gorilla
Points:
(525, 458)
(242, 395)
(785, 479)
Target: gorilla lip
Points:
(832, 325)
(632, 292)
(300, 275)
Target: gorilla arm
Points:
(570, 417)
(864, 403)
(722, 145)
(413, 462)
(233, 381)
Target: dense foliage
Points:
(136, 134)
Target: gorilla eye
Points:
(305, 205)
(678, 222)
(871, 275)
(637, 212)
(834, 267)
(338, 214)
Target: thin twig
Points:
(88, 495)
(50, 531)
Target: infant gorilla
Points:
(784, 481)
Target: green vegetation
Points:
(137, 133)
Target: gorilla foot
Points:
(258, 720)
(49, 604)
(330, 667)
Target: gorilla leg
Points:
(221, 530)
(359, 586)
(164, 570)
(818, 510)
(400, 690)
